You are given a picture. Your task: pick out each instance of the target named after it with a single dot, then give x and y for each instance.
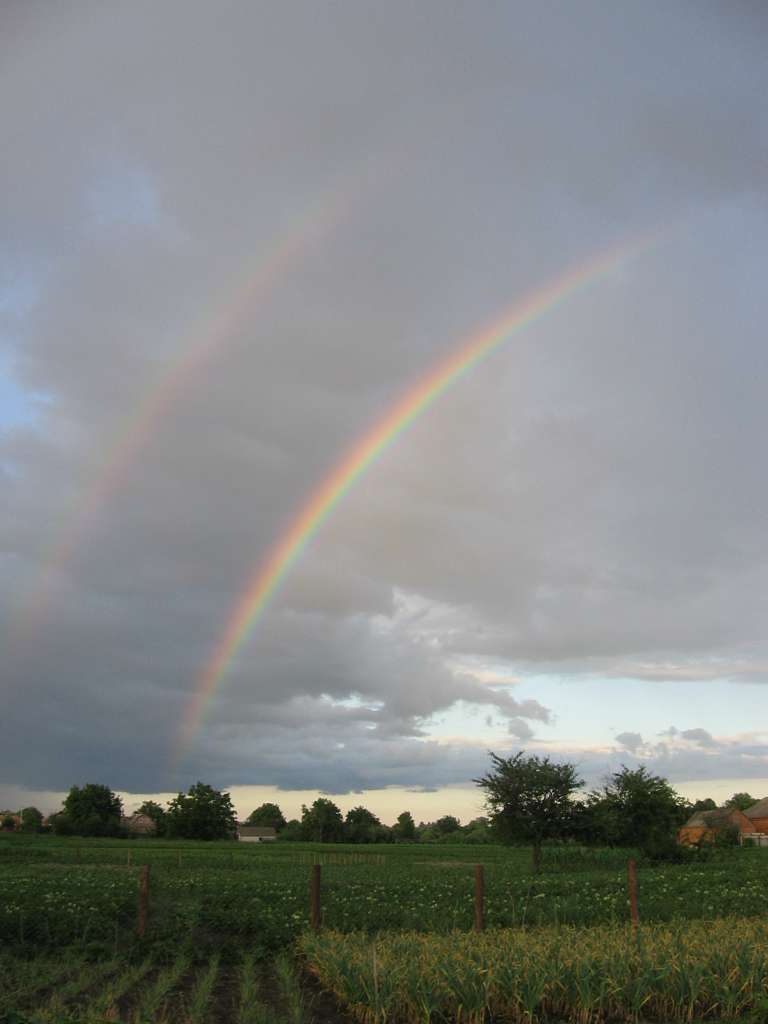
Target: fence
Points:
(315, 902)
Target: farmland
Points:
(218, 913)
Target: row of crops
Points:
(67, 989)
(713, 971)
(53, 904)
(396, 944)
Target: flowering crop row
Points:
(51, 904)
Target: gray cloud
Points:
(588, 500)
(630, 741)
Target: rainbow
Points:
(413, 403)
(168, 386)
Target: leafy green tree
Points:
(267, 815)
(447, 825)
(741, 800)
(61, 824)
(636, 808)
(93, 810)
(201, 813)
(477, 831)
(8, 821)
(293, 832)
(31, 819)
(404, 829)
(362, 826)
(154, 811)
(322, 822)
(529, 799)
(707, 804)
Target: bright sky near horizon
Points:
(564, 552)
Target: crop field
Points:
(70, 989)
(220, 916)
(703, 970)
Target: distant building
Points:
(138, 825)
(758, 815)
(705, 825)
(256, 833)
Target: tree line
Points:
(529, 799)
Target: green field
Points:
(220, 912)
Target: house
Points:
(758, 815)
(256, 833)
(705, 825)
(138, 825)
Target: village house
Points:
(138, 825)
(758, 815)
(256, 834)
(705, 825)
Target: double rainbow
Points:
(164, 391)
(269, 574)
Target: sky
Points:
(235, 238)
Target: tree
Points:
(636, 808)
(322, 822)
(529, 799)
(201, 813)
(741, 800)
(267, 815)
(404, 829)
(477, 831)
(92, 810)
(31, 819)
(154, 811)
(447, 825)
(707, 804)
(293, 832)
(8, 821)
(362, 826)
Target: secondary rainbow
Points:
(413, 403)
(169, 385)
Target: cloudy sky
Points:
(232, 237)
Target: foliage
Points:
(607, 973)
(707, 804)
(362, 826)
(529, 798)
(154, 811)
(293, 832)
(634, 808)
(219, 896)
(202, 813)
(31, 819)
(90, 810)
(322, 822)
(267, 815)
(404, 829)
(741, 801)
(8, 823)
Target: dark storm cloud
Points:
(590, 498)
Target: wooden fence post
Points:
(632, 885)
(143, 900)
(314, 898)
(479, 895)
